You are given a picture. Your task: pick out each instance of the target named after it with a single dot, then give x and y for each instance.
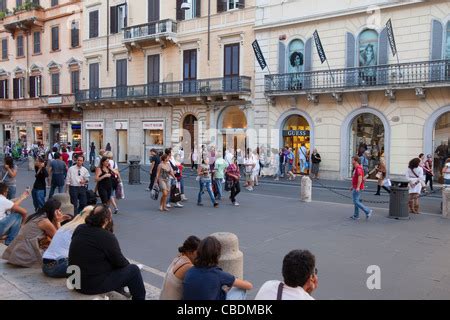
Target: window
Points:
(447, 48)
(74, 81)
(4, 89)
(118, 18)
(75, 34)
(18, 88)
(4, 49)
(368, 56)
(54, 3)
(20, 46)
(93, 24)
(55, 38)
(296, 56)
(35, 86)
(2, 5)
(18, 3)
(226, 5)
(194, 11)
(55, 83)
(36, 42)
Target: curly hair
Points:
(298, 266)
(294, 56)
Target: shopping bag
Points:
(154, 194)
(175, 194)
(387, 183)
(120, 192)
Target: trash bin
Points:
(398, 204)
(134, 172)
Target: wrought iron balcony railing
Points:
(404, 75)
(180, 89)
(150, 30)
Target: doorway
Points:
(95, 136)
(55, 130)
(122, 146)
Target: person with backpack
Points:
(219, 174)
(364, 161)
(304, 158)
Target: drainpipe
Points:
(209, 29)
(108, 10)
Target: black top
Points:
(39, 183)
(155, 167)
(316, 158)
(105, 184)
(92, 148)
(97, 252)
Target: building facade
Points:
(157, 75)
(365, 101)
(40, 65)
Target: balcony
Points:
(24, 20)
(415, 75)
(150, 33)
(56, 104)
(236, 89)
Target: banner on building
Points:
(319, 47)
(153, 125)
(390, 34)
(259, 55)
(94, 125)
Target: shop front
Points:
(121, 141)
(7, 128)
(74, 133)
(441, 144)
(296, 133)
(22, 133)
(38, 134)
(94, 133)
(153, 137)
(233, 126)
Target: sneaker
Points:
(200, 204)
(169, 205)
(116, 211)
(354, 218)
(183, 198)
(148, 189)
(236, 204)
(178, 205)
(216, 205)
(369, 214)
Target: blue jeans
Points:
(236, 294)
(281, 167)
(358, 204)
(447, 182)
(57, 269)
(173, 182)
(92, 157)
(52, 190)
(206, 183)
(38, 198)
(182, 185)
(219, 186)
(10, 226)
(11, 192)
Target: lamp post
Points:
(187, 6)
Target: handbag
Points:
(154, 194)
(175, 195)
(120, 192)
(92, 168)
(379, 175)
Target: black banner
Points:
(390, 34)
(319, 47)
(259, 55)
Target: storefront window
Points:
(76, 133)
(154, 137)
(38, 135)
(368, 56)
(296, 132)
(22, 134)
(234, 136)
(441, 144)
(367, 138)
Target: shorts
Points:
(248, 176)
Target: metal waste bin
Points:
(134, 172)
(398, 204)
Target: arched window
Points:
(368, 48)
(296, 56)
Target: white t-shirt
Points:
(302, 152)
(447, 171)
(113, 164)
(269, 291)
(5, 205)
(59, 247)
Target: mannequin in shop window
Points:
(362, 147)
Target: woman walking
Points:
(232, 176)
(104, 181)
(428, 170)
(381, 176)
(415, 177)
(39, 188)
(315, 159)
(204, 178)
(163, 176)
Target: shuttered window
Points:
(54, 3)
(4, 49)
(18, 88)
(55, 38)
(35, 86)
(74, 81)
(118, 18)
(36, 42)
(20, 52)
(75, 34)
(93, 24)
(55, 83)
(4, 89)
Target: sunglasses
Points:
(79, 172)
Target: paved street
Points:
(413, 255)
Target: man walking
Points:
(357, 187)
(77, 182)
(57, 173)
(219, 174)
(302, 155)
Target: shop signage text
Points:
(121, 125)
(94, 125)
(296, 133)
(54, 100)
(153, 125)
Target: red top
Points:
(65, 157)
(78, 150)
(359, 171)
(180, 167)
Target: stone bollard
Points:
(66, 206)
(446, 203)
(306, 189)
(231, 259)
(30, 163)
